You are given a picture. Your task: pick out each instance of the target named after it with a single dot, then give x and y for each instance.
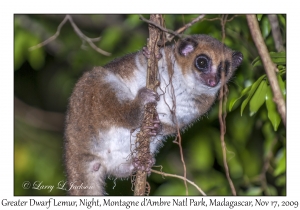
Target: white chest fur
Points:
(117, 144)
(116, 149)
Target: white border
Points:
(215, 6)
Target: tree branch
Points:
(78, 32)
(178, 141)
(170, 33)
(51, 121)
(52, 37)
(276, 32)
(143, 140)
(159, 26)
(222, 114)
(179, 177)
(269, 66)
(186, 26)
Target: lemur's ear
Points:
(237, 58)
(187, 46)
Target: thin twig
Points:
(38, 118)
(172, 110)
(52, 37)
(179, 177)
(223, 144)
(78, 32)
(170, 33)
(269, 66)
(89, 40)
(181, 157)
(232, 18)
(186, 26)
(174, 119)
(222, 99)
(212, 19)
(220, 18)
(266, 166)
(160, 27)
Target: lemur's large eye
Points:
(202, 62)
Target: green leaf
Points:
(278, 58)
(36, 57)
(272, 190)
(256, 62)
(278, 54)
(251, 92)
(233, 101)
(110, 38)
(282, 20)
(254, 191)
(132, 21)
(279, 61)
(273, 115)
(281, 180)
(19, 57)
(265, 27)
(281, 85)
(269, 136)
(281, 69)
(258, 98)
(259, 17)
(280, 162)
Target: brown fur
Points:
(216, 50)
(88, 107)
(94, 107)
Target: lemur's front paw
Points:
(148, 96)
(155, 128)
(146, 53)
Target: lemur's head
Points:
(202, 59)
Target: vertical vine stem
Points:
(269, 66)
(143, 152)
(222, 112)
